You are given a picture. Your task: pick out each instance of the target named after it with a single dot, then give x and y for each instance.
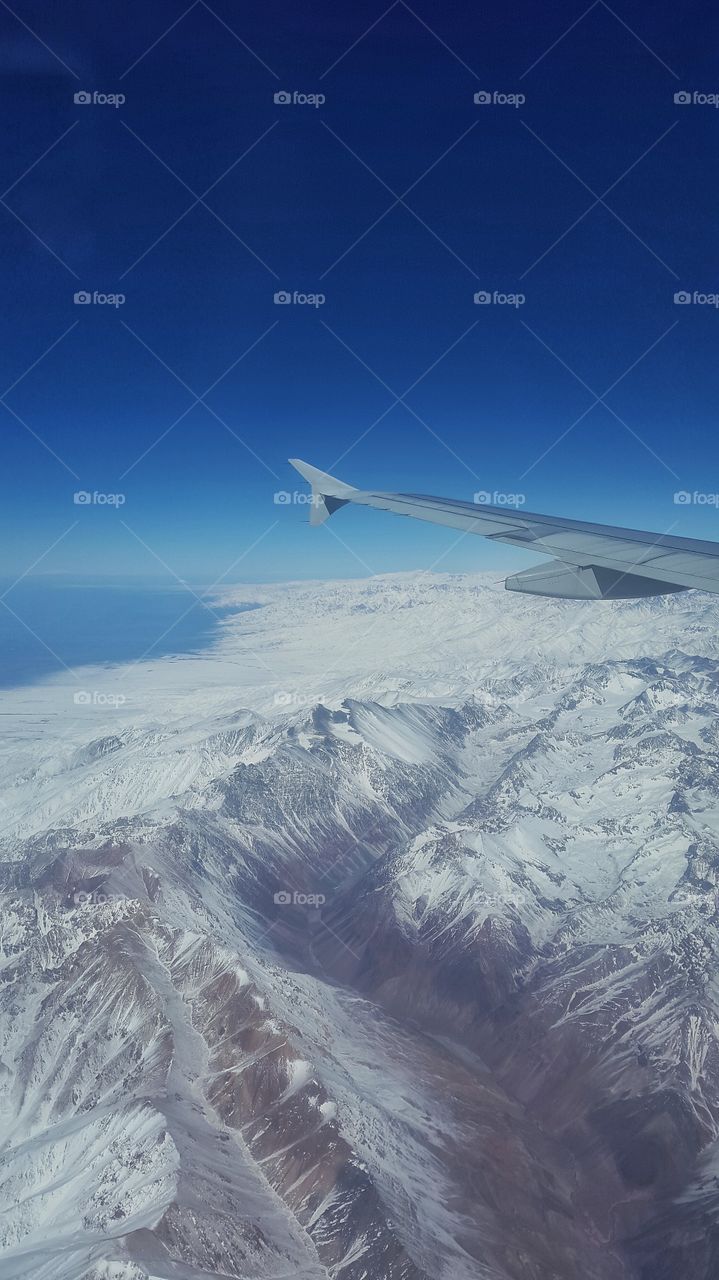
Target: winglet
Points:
(328, 493)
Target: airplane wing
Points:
(589, 561)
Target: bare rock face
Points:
(568, 937)
(418, 982)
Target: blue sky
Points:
(499, 198)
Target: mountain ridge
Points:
(490, 1049)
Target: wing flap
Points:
(590, 582)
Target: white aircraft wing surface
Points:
(588, 561)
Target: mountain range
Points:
(376, 941)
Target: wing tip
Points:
(328, 493)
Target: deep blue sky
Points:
(401, 101)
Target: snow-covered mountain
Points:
(378, 942)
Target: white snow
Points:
(547, 801)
